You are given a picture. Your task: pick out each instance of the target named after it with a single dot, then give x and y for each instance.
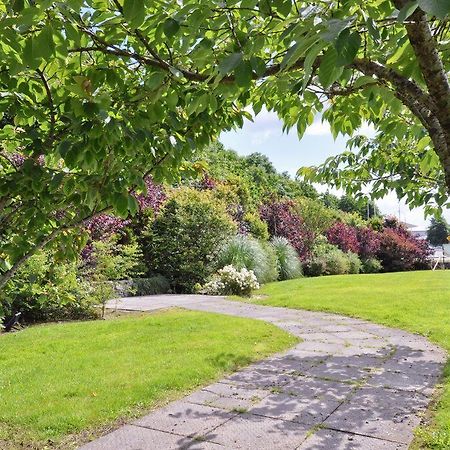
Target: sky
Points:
(288, 153)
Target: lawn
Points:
(414, 301)
(59, 380)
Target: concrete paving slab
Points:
(251, 432)
(130, 437)
(307, 411)
(380, 413)
(359, 385)
(330, 439)
(184, 418)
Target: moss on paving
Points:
(414, 301)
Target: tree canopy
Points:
(438, 232)
(96, 94)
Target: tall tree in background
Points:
(96, 94)
(438, 232)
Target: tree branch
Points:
(51, 105)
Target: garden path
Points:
(349, 384)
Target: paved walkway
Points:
(349, 384)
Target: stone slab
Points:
(184, 418)
(330, 439)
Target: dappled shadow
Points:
(348, 385)
(335, 396)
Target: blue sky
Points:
(288, 153)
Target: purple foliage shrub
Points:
(283, 220)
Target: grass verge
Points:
(62, 381)
(414, 301)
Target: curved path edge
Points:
(350, 384)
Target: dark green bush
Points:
(183, 240)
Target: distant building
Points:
(417, 232)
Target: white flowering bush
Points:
(230, 280)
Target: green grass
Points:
(415, 301)
(62, 379)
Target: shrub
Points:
(245, 252)
(255, 226)
(110, 260)
(354, 263)
(288, 262)
(182, 242)
(344, 236)
(283, 220)
(327, 259)
(369, 242)
(43, 291)
(399, 251)
(231, 281)
(371, 265)
(336, 262)
(316, 216)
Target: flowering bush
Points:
(230, 280)
(344, 236)
(283, 220)
(245, 252)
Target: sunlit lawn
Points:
(415, 301)
(66, 378)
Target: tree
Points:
(97, 94)
(362, 206)
(438, 232)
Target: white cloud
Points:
(258, 138)
(318, 129)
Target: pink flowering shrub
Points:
(283, 220)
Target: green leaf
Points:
(133, 205)
(282, 6)
(155, 80)
(335, 27)
(120, 204)
(361, 81)
(309, 61)
(258, 65)
(171, 27)
(407, 10)
(328, 70)
(134, 12)
(373, 30)
(43, 44)
(438, 8)
(298, 50)
(243, 74)
(28, 56)
(347, 46)
(229, 63)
